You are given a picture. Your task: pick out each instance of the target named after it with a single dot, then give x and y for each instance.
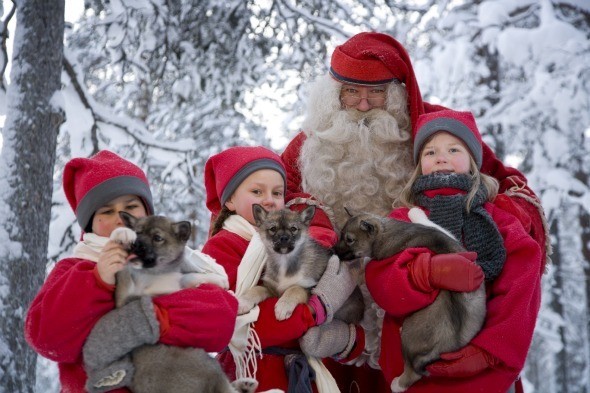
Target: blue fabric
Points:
(298, 369)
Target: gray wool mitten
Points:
(336, 285)
(117, 375)
(119, 332)
(335, 338)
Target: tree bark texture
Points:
(28, 157)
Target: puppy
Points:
(156, 266)
(295, 264)
(446, 325)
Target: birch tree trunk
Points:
(574, 302)
(26, 171)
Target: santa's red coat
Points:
(513, 301)
(73, 299)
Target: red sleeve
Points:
(202, 317)
(65, 310)
(389, 280)
(291, 160)
(513, 299)
(227, 249)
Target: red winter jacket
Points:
(513, 301)
(74, 298)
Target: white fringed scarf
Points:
(245, 344)
(90, 247)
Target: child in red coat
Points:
(78, 293)
(235, 179)
(449, 187)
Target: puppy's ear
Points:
(367, 227)
(307, 215)
(128, 219)
(182, 230)
(259, 214)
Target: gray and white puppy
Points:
(295, 264)
(446, 325)
(158, 266)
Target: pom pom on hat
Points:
(90, 183)
(460, 124)
(373, 59)
(224, 172)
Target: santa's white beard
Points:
(361, 162)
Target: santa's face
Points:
(363, 98)
(353, 158)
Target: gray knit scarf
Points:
(476, 229)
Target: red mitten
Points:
(276, 333)
(454, 272)
(466, 362)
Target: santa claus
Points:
(355, 152)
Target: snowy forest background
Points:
(167, 83)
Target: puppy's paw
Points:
(245, 385)
(395, 385)
(245, 305)
(123, 235)
(417, 216)
(284, 308)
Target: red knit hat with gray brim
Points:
(90, 183)
(460, 124)
(372, 59)
(224, 172)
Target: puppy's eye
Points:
(157, 238)
(294, 229)
(272, 230)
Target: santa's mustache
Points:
(366, 118)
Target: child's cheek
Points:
(102, 227)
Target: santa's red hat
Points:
(373, 59)
(224, 172)
(90, 183)
(460, 124)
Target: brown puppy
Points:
(158, 266)
(295, 264)
(446, 325)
